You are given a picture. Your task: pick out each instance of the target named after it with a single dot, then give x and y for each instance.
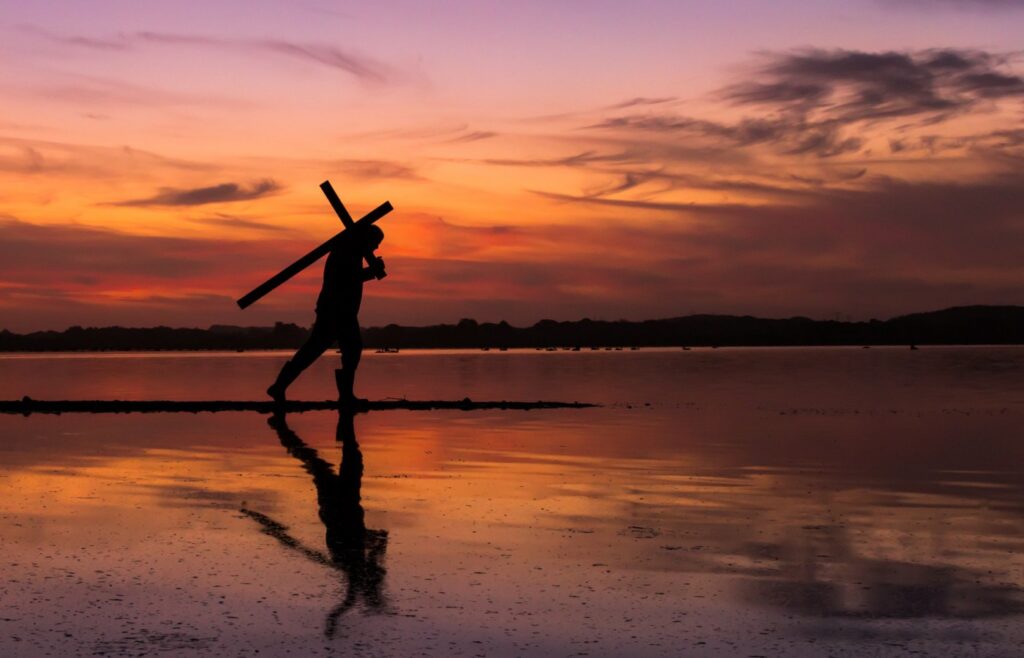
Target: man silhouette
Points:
(337, 314)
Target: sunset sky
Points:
(554, 159)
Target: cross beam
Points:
(369, 218)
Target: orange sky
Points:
(553, 160)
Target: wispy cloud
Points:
(92, 90)
(643, 204)
(364, 68)
(232, 222)
(578, 159)
(223, 193)
(375, 169)
(473, 136)
(641, 101)
(793, 135)
(48, 157)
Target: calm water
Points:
(761, 502)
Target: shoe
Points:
(287, 375)
(277, 393)
(346, 398)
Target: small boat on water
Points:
(387, 350)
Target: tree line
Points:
(966, 325)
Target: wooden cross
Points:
(369, 218)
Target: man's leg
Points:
(319, 340)
(351, 345)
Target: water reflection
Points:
(353, 550)
(822, 574)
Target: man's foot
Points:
(352, 402)
(346, 398)
(287, 375)
(277, 393)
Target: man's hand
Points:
(377, 268)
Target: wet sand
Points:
(27, 406)
(742, 503)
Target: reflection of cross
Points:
(369, 218)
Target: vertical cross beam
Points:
(339, 208)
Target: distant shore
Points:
(965, 325)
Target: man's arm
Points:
(377, 272)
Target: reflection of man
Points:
(354, 550)
(337, 314)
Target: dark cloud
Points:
(628, 180)
(837, 176)
(849, 86)
(1008, 137)
(808, 102)
(223, 193)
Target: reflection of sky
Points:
(854, 515)
(120, 118)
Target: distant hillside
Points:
(965, 325)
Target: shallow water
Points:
(795, 502)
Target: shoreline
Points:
(28, 406)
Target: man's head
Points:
(373, 236)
